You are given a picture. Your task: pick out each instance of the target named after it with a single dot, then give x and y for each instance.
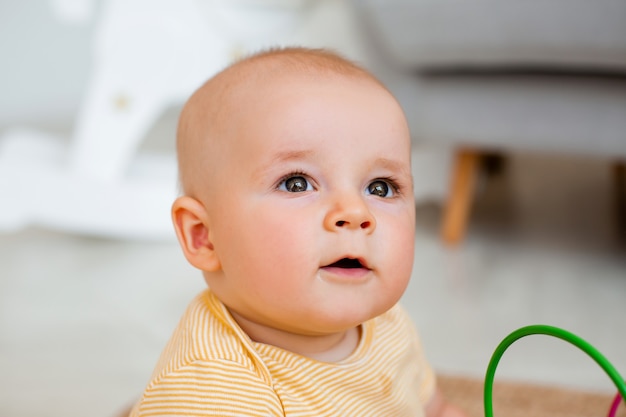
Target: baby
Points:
(298, 209)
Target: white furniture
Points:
(148, 55)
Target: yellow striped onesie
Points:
(210, 367)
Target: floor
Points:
(82, 320)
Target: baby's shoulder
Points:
(208, 331)
(206, 334)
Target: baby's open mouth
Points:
(348, 269)
(348, 263)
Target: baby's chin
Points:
(348, 317)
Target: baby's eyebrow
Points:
(285, 156)
(392, 165)
(304, 154)
(295, 155)
(291, 155)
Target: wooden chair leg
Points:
(457, 208)
(619, 181)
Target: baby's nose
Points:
(350, 213)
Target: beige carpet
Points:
(514, 399)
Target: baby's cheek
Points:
(399, 248)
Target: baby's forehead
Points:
(222, 97)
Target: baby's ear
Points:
(191, 222)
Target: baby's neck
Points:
(333, 347)
(341, 350)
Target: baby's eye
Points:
(295, 184)
(380, 188)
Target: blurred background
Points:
(518, 117)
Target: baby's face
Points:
(313, 211)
